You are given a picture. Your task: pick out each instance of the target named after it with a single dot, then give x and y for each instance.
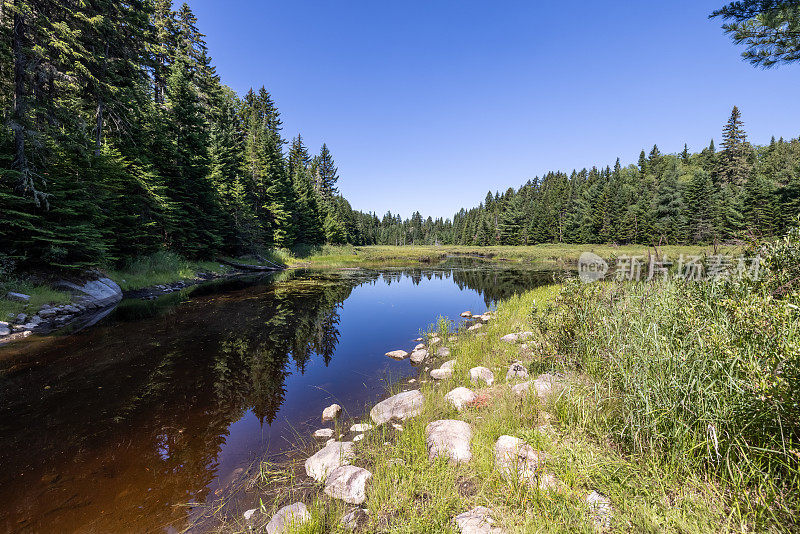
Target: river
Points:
(121, 427)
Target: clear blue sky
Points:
(429, 104)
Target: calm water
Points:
(118, 427)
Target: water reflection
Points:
(116, 428)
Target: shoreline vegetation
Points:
(165, 268)
(666, 406)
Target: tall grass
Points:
(705, 376)
(162, 267)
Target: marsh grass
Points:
(162, 268)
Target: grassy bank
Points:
(40, 294)
(679, 403)
(543, 255)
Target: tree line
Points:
(706, 197)
(120, 139)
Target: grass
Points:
(162, 268)
(546, 254)
(679, 404)
(40, 295)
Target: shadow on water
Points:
(117, 427)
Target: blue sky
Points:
(427, 105)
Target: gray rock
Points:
(331, 413)
(397, 354)
(4, 329)
(517, 336)
(450, 364)
(517, 460)
(544, 385)
(481, 374)
(475, 327)
(94, 293)
(516, 371)
(441, 374)
(21, 319)
(433, 340)
(443, 352)
(355, 519)
(18, 297)
(401, 407)
(360, 427)
(419, 346)
(460, 397)
(288, 516)
(330, 457)
(418, 356)
(477, 521)
(600, 509)
(46, 313)
(348, 483)
(450, 439)
(323, 433)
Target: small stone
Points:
(401, 406)
(288, 516)
(478, 374)
(4, 329)
(460, 397)
(331, 413)
(327, 459)
(397, 426)
(46, 313)
(355, 519)
(477, 521)
(450, 439)
(360, 427)
(450, 364)
(600, 509)
(443, 352)
(249, 514)
(419, 346)
(516, 371)
(475, 327)
(358, 438)
(441, 374)
(348, 483)
(418, 356)
(397, 354)
(18, 297)
(466, 314)
(323, 433)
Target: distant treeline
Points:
(121, 140)
(686, 198)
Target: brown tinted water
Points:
(122, 427)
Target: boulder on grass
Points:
(460, 397)
(330, 457)
(481, 374)
(401, 406)
(288, 517)
(477, 521)
(450, 439)
(348, 483)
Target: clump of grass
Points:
(162, 267)
(40, 294)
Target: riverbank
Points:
(665, 407)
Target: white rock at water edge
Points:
(418, 356)
(330, 457)
(348, 483)
(477, 521)
(466, 314)
(450, 439)
(397, 354)
(478, 374)
(360, 427)
(460, 397)
(288, 516)
(331, 413)
(401, 406)
(323, 433)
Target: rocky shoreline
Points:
(333, 466)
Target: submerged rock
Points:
(330, 457)
(288, 516)
(460, 397)
(331, 413)
(401, 406)
(397, 354)
(348, 483)
(477, 521)
(450, 439)
(478, 374)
